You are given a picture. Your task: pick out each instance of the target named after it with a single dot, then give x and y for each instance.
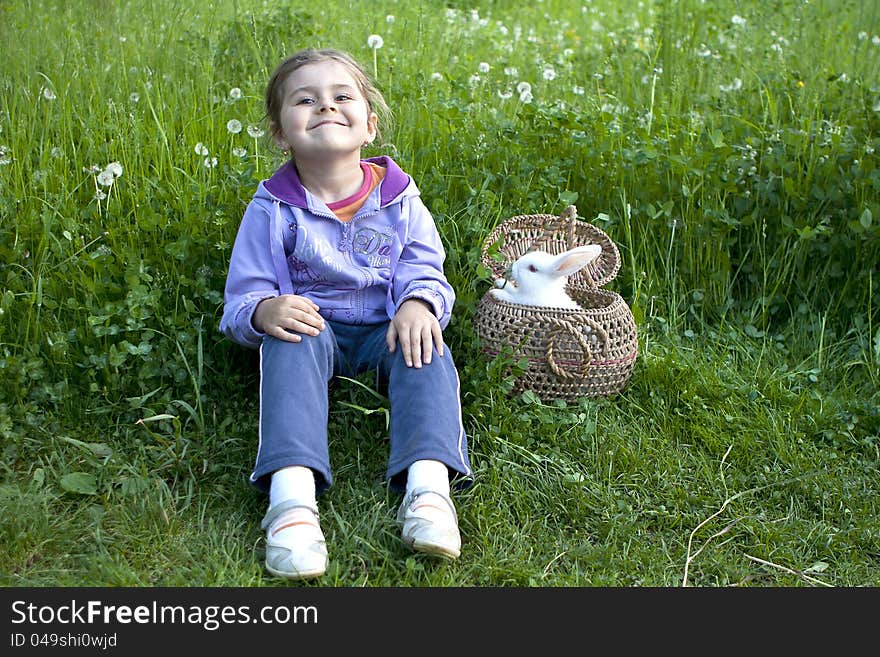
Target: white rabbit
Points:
(538, 278)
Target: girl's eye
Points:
(532, 268)
(305, 101)
(343, 97)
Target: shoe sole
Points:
(435, 550)
(297, 574)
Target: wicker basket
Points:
(572, 353)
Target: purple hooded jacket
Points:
(289, 242)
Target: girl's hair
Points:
(275, 89)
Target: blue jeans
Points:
(425, 420)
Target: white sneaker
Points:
(295, 546)
(430, 523)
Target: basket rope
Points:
(565, 326)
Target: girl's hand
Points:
(418, 330)
(286, 316)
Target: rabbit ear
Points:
(576, 259)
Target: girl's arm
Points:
(419, 271)
(251, 278)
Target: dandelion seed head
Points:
(100, 195)
(483, 67)
(233, 126)
(389, 18)
(526, 97)
(504, 95)
(201, 149)
(511, 71)
(255, 131)
(115, 169)
(736, 19)
(134, 96)
(577, 90)
(48, 94)
(375, 41)
(436, 76)
(549, 73)
(238, 151)
(524, 87)
(235, 93)
(736, 85)
(105, 178)
(56, 152)
(210, 162)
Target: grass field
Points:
(728, 148)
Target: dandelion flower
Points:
(48, 94)
(233, 126)
(375, 42)
(483, 67)
(255, 131)
(105, 178)
(115, 169)
(235, 93)
(210, 162)
(201, 149)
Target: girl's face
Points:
(324, 113)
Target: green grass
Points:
(727, 148)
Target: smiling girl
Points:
(337, 269)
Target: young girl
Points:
(338, 268)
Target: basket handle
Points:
(569, 219)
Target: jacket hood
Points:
(285, 184)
